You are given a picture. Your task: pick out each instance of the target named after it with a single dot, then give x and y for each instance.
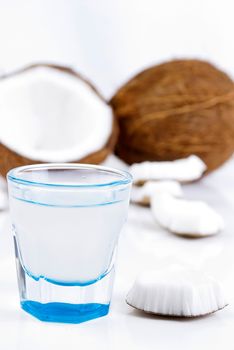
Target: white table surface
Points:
(142, 244)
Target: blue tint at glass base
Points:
(64, 312)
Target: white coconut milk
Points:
(67, 244)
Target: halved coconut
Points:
(51, 114)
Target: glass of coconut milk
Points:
(66, 220)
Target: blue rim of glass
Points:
(13, 175)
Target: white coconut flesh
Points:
(142, 194)
(182, 170)
(176, 291)
(186, 217)
(52, 116)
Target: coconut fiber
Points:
(176, 109)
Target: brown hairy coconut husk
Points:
(176, 109)
(10, 158)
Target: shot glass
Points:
(66, 219)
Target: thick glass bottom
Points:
(54, 301)
(64, 312)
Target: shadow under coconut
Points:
(157, 317)
(191, 237)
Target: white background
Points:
(109, 40)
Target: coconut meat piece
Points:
(142, 194)
(176, 291)
(185, 217)
(182, 170)
(52, 116)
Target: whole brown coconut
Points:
(10, 158)
(176, 109)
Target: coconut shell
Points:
(176, 109)
(10, 159)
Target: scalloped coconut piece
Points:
(176, 291)
(182, 170)
(50, 114)
(186, 217)
(141, 195)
